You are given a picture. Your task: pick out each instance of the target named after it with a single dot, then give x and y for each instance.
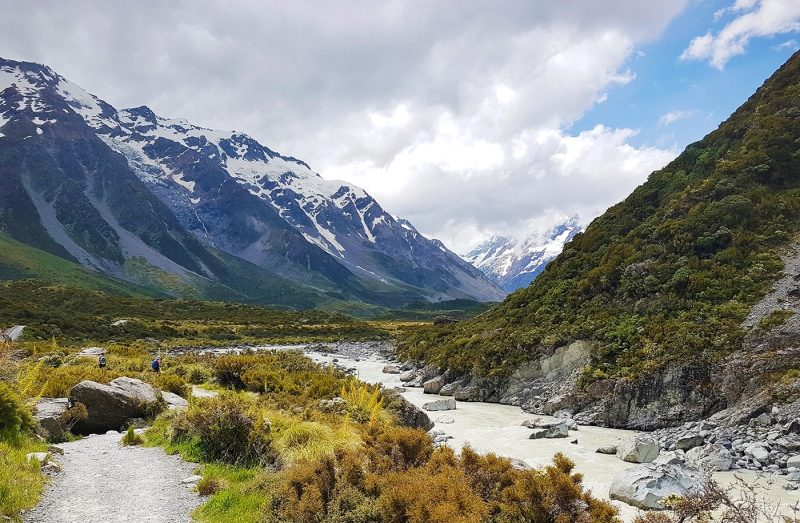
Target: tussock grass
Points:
(21, 483)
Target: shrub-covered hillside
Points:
(670, 273)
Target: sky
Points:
(469, 118)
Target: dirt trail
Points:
(102, 481)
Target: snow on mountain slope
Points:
(514, 263)
(214, 180)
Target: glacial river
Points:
(491, 427)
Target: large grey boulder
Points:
(451, 388)
(646, 487)
(174, 401)
(793, 461)
(442, 404)
(639, 449)
(433, 386)
(607, 449)
(407, 376)
(711, 457)
(758, 452)
(48, 413)
(110, 406)
(557, 430)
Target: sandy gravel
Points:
(102, 481)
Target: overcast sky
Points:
(469, 118)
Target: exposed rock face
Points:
(48, 412)
(110, 406)
(639, 449)
(646, 487)
(442, 404)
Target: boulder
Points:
(646, 487)
(469, 393)
(174, 401)
(793, 461)
(433, 386)
(450, 389)
(392, 369)
(538, 434)
(670, 458)
(92, 351)
(446, 420)
(41, 457)
(793, 427)
(110, 406)
(712, 457)
(442, 404)
(408, 375)
(607, 449)
(557, 430)
(408, 414)
(758, 452)
(48, 412)
(639, 449)
(689, 442)
(762, 420)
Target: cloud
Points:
(451, 113)
(673, 116)
(752, 19)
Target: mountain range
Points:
(514, 262)
(180, 210)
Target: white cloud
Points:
(752, 19)
(674, 116)
(453, 113)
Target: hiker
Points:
(101, 361)
(156, 364)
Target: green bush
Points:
(172, 383)
(131, 438)
(15, 417)
(230, 429)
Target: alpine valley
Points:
(166, 208)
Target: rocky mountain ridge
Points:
(224, 190)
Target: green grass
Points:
(21, 483)
(239, 500)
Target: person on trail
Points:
(156, 364)
(101, 361)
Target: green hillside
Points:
(667, 275)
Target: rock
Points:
(531, 423)
(174, 401)
(408, 376)
(445, 419)
(442, 404)
(51, 467)
(392, 369)
(639, 449)
(763, 420)
(538, 434)
(646, 487)
(469, 393)
(574, 442)
(689, 442)
(118, 323)
(711, 457)
(793, 461)
(670, 458)
(92, 351)
(55, 449)
(48, 412)
(558, 430)
(607, 449)
(408, 414)
(191, 479)
(758, 452)
(41, 457)
(450, 389)
(109, 406)
(433, 386)
(793, 427)
(518, 464)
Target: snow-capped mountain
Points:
(226, 191)
(513, 262)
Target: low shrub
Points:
(230, 429)
(210, 485)
(172, 383)
(131, 438)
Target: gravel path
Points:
(103, 481)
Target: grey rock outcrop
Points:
(110, 406)
(646, 487)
